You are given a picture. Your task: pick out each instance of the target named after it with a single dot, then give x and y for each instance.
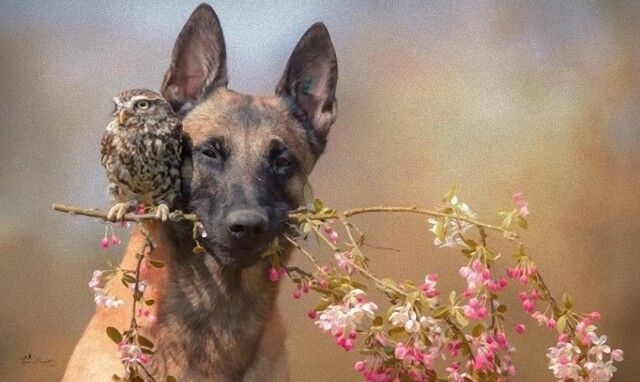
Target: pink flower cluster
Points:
(521, 205)
(522, 272)
(584, 363)
(345, 262)
(486, 348)
(343, 319)
(131, 355)
(100, 296)
(106, 242)
(428, 287)
(478, 275)
(146, 313)
(333, 235)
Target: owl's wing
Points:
(106, 147)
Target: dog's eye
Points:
(211, 152)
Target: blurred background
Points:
(540, 97)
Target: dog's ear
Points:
(309, 83)
(198, 63)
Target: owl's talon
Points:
(117, 212)
(162, 212)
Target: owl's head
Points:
(140, 104)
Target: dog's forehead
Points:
(242, 119)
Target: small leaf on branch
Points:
(156, 263)
(462, 320)
(396, 333)
(114, 334)
(144, 341)
(567, 300)
(522, 222)
(150, 302)
(440, 312)
(561, 324)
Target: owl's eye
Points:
(142, 105)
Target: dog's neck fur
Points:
(212, 318)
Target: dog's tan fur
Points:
(218, 322)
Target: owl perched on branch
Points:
(141, 152)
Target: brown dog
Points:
(246, 162)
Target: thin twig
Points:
(296, 216)
(131, 217)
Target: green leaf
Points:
(156, 263)
(144, 341)
(147, 351)
(452, 297)
(440, 312)
(171, 378)
(501, 308)
(317, 204)
(477, 330)
(561, 323)
(439, 230)
(462, 320)
(378, 321)
(150, 302)
(396, 333)
(128, 278)
(114, 334)
(322, 306)
(522, 222)
(567, 300)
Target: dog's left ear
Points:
(309, 84)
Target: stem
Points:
(136, 293)
(131, 217)
(296, 216)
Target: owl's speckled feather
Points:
(141, 152)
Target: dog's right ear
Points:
(198, 63)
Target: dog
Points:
(246, 162)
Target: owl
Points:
(141, 153)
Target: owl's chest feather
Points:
(144, 162)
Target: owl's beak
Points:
(123, 116)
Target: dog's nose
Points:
(247, 225)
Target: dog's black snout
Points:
(247, 225)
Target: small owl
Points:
(141, 151)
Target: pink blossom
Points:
(477, 275)
(475, 309)
(274, 275)
(115, 240)
(342, 320)
(104, 243)
(520, 328)
(345, 262)
(359, 366)
(428, 288)
(96, 280)
(521, 205)
(297, 293)
(333, 235)
(312, 314)
(617, 355)
(130, 354)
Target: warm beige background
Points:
(541, 97)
